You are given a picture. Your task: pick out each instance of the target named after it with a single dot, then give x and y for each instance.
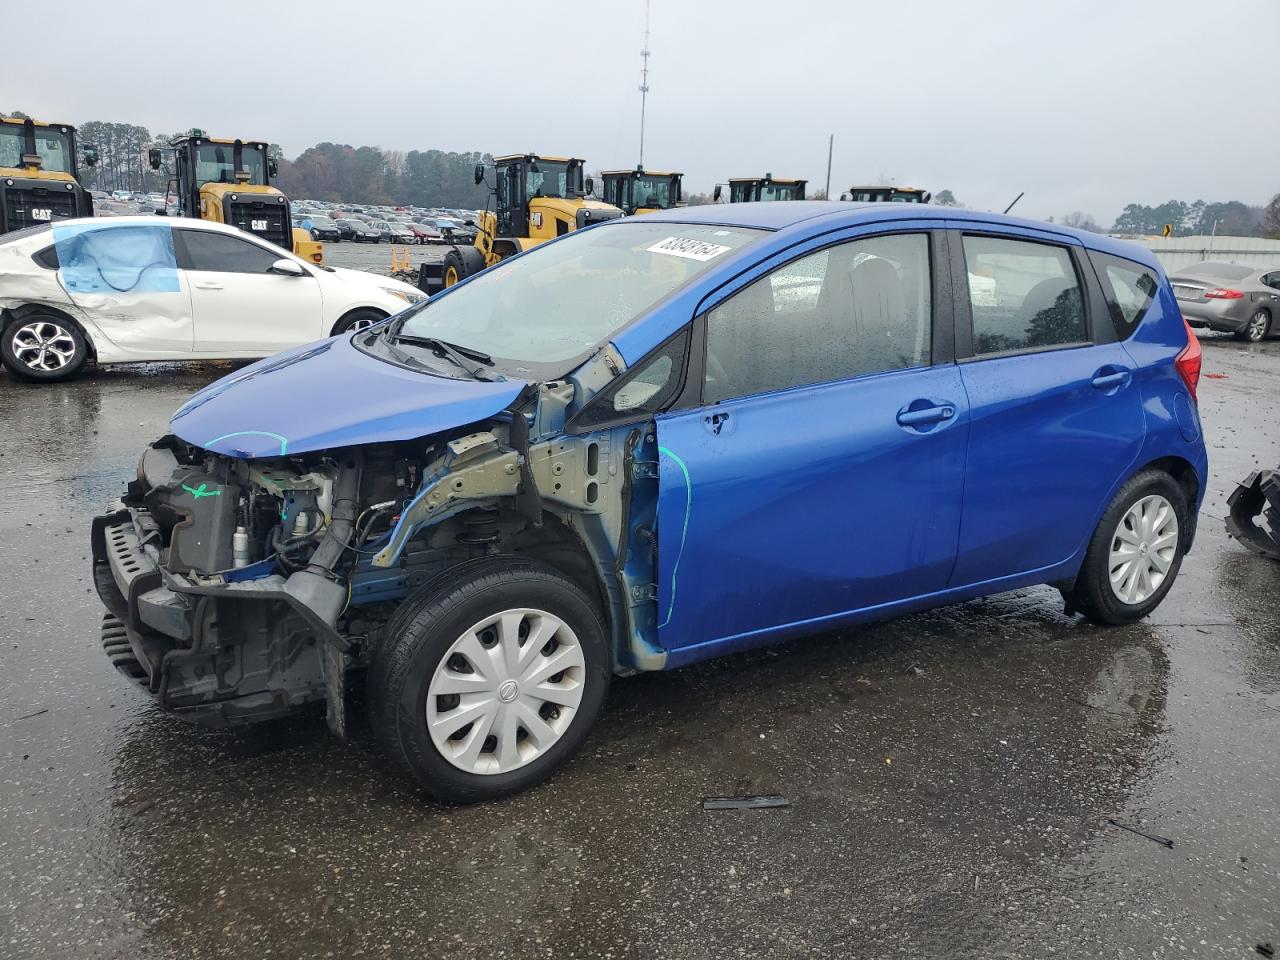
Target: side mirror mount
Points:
(715, 194)
(288, 268)
(479, 174)
(591, 186)
(153, 157)
(89, 154)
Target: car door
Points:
(821, 473)
(124, 276)
(1057, 417)
(241, 306)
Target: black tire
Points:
(361, 317)
(422, 632)
(1092, 593)
(1257, 329)
(454, 268)
(59, 333)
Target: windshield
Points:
(215, 163)
(561, 300)
(549, 180)
(52, 145)
(653, 192)
(779, 191)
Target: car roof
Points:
(834, 214)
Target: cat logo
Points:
(536, 219)
(41, 213)
(257, 225)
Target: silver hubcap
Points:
(364, 323)
(1258, 326)
(506, 691)
(1143, 549)
(43, 345)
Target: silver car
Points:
(1234, 298)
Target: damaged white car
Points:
(132, 289)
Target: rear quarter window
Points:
(1129, 288)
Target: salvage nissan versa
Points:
(650, 442)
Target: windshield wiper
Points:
(459, 355)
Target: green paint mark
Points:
(201, 491)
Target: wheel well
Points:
(1185, 476)
(382, 315)
(557, 545)
(505, 248)
(14, 314)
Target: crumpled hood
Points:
(329, 394)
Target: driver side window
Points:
(223, 253)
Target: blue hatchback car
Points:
(650, 442)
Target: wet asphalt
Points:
(951, 775)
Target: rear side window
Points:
(224, 253)
(1024, 295)
(1129, 288)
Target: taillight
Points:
(1189, 361)
(1223, 293)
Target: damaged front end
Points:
(1253, 515)
(242, 589)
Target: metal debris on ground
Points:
(1265, 949)
(1257, 498)
(1163, 841)
(745, 803)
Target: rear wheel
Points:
(43, 347)
(489, 678)
(358, 320)
(1136, 551)
(455, 269)
(1256, 330)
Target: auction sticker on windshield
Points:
(689, 249)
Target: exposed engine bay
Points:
(244, 589)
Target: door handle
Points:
(918, 418)
(715, 422)
(1105, 381)
(207, 285)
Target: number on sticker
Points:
(41, 213)
(689, 249)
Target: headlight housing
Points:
(405, 295)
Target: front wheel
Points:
(1136, 551)
(489, 678)
(43, 347)
(358, 320)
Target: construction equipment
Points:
(39, 176)
(229, 181)
(535, 199)
(768, 187)
(883, 194)
(1257, 498)
(642, 191)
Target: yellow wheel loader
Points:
(768, 187)
(884, 194)
(229, 181)
(535, 199)
(39, 176)
(642, 191)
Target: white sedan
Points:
(131, 289)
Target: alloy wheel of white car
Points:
(361, 323)
(505, 691)
(1143, 549)
(43, 345)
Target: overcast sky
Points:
(1084, 104)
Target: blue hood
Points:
(329, 394)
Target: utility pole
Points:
(831, 145)
(644, 78)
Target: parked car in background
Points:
(424, 234)
(345, 230)
(1241, 299)
(383, 228)
(362, 231)
(322, 228)
(136, 288)
(637, 446)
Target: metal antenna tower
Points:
(644, 78)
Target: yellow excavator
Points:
(535, 199)
(39, 175)
(642, 191)
(229, 181)
(884, 194)
(768, 187)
